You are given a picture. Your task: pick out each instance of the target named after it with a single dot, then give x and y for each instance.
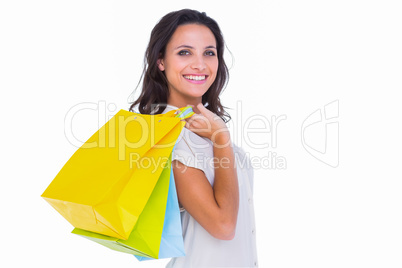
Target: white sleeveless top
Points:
(202, 249)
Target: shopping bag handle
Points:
(182, 113)
(185, 112)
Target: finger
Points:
(197, 117)
(193, 126)
(204, 111)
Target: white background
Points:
(291, 58)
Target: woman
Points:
(185, 66)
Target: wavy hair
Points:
(155, 92)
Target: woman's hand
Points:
(209, 125)
(214, 207)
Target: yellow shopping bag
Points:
(158, 232)
(105, 185)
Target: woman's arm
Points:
(213, 207)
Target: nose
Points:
(198, 63)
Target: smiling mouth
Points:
(195, 77)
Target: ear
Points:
(160, 64)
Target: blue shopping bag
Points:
(172, 237)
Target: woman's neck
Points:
(183, 102)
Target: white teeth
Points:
(195, 77)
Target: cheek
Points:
(175, 69)
(214, 64)
(214, 67)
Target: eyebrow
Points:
(187, 46)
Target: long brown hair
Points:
(154, 95)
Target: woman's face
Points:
(190, 64)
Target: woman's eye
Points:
(210, 53)
(184, 52)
